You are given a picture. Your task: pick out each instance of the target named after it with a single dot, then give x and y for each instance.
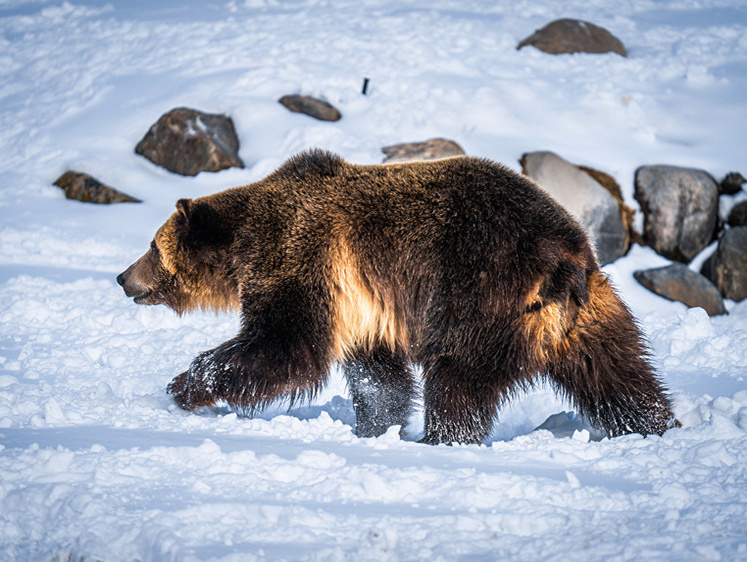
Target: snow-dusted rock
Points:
(727, 267)
(433, 149)
(680, 209)
(677, 282)
(187, 141)
(312, 107)
(574, 36)
(584, 197)
(88, 189)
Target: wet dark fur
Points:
(459, 265)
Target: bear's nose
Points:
(121, 279)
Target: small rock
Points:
(677, 282)
(680, 209)
(582, 196)
(727, 267)
(732, 183)
(186, 141)
(311, 106)
(88, 189)
(738, 214)
(574, 36)
(433, 149)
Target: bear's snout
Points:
(130, 281)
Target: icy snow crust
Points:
(95, 460)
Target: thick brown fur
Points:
(458, 265)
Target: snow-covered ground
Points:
(96, 463)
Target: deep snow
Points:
(95, 460)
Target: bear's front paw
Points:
(188, 394)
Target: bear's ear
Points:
(184, 210)
(198, 223)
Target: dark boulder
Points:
(738, 215)
(82, 187)
(677, 282)
(680, 209)
(433, 149)
(727, 267)
(187, 142)
(574, 36)
(318, 109)
(732, 183)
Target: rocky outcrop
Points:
(677, 282)
(316, 108)
(433, 149)
(680, 209)
(187, 142)
(82, 187)
(585, 198)
(574, 36)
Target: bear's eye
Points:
(154, 248)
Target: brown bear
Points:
(458, 265)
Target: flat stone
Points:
(86, 188)
(574, 36)
(316, 108)
(677, 282)
(433, 149)
(186, 141)
(680, 209)
(584, 198)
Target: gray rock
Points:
(680, 209)
(433, 149)
(82, 187)
(727, 267)
(186, 141)
(677, 282)
(582, 196)
(738, 214)
(732, 183)
(313, 107)
(574, 36)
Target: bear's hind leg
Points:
(382, 386)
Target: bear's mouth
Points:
(142, 297)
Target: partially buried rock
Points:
(186, 141)
(88, 189)
(677, 282)
(582, 196)
(727, 267)
(732, 183)
(313, 107)
(738, 215)
(680, 209)
(574, 36)
(433, 149)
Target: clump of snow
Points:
(96, 462)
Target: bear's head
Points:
(188, 265)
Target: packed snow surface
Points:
(97, 463)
